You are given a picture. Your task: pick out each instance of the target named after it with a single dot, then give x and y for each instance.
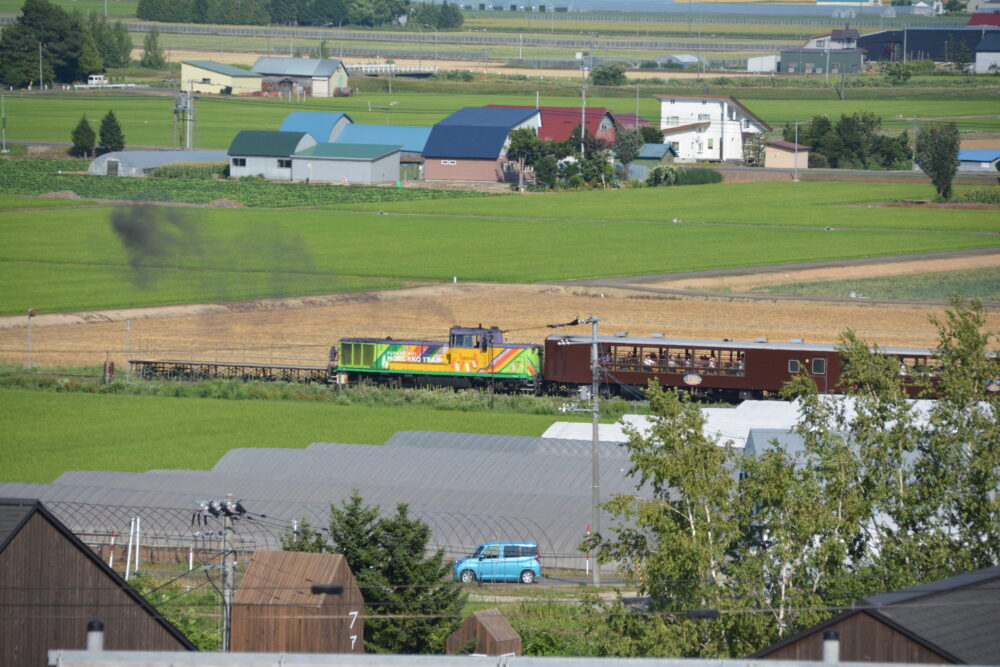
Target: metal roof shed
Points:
(319, 77)
(410, 138)
(208, 76)
(979, 159)
(140, 163)
(267, 154)
(323, 126)
(347, 163)
(275, 610)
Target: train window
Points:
(819, 366)
(367, 354)
(793, 366)
(347, 354)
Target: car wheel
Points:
(527, 577)
(467, 576)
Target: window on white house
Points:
(239, 162)
(704, 116)
(710, 144)
(285, 164)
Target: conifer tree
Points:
(112, 137)
(83, 138)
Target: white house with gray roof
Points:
(267, 154)
(317, 77)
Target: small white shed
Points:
(347, 163)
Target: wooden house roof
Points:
(286, 578)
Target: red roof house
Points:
(558, 122)
(985, 18)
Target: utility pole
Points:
(595, 437)
(795, 178)
(41, 80)
(583, 119)
(3, 114)
(227, 579)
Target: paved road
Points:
(636, 283)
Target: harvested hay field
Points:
(300, 330)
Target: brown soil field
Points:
(301, 330)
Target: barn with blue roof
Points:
(323, 126)
(979, 159)
(471, 144)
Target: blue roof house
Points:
(267, 154)
(322, 125)
(979, 159)
(471, 144)
(411, 139)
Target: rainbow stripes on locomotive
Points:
(473, 357)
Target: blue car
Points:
(500, 561)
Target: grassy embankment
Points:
(48, 433)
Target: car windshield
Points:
(478, 552)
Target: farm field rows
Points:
(52, 262)
(138, 433)
(148, 120)
(983, 284)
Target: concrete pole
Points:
(595, 415)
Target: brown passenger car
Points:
(729, 370)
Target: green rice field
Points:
(52, 262)
(46, 434)
(148, 120)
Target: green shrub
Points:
(698, 176)
(981, 196)
(455, 75)
(190, 170)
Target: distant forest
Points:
(367, 13)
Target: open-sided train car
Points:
(727, 370)
(473, 357)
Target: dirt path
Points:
(301, 330)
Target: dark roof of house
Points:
(990, 43)
(475, 133)
(984, 18)
(844, 33)
(348, 151)
(267, 65)
(260, 143)
(15, 513)
(732, 100)
(558, 123)
(789, 145)
(221, 68)
(955, 617)
(631, 121)
(506, 117)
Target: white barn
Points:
(707, 127)
(267, 154)
(347, 163)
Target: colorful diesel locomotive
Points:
(473, 357)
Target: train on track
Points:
(480, 358)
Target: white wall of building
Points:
(261, 166)
(984, 61)
(722, 139)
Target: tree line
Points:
(367, 13)
(71, 45)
